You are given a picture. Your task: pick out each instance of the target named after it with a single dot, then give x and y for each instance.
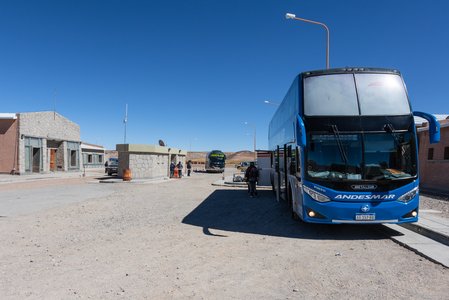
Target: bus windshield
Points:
(368, 156)
(367, 94)
(217, 156)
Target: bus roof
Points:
(349, 70)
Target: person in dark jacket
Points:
(189, 167)
(252, 177)
(172, 169)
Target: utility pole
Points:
(125, 121)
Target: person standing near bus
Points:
(189, 167)
(252, 177)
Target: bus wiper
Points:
(390, 129)
(343, 155)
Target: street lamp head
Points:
(271, 103)
(290, 16)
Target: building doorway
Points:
(36, 160)
(73, 158)
(53, 159)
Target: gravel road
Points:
(185, 238)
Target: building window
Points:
(446, 152)
(430, 154)
(89, 158)
(100, 159)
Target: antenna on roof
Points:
(125, 121)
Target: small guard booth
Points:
(148, 161)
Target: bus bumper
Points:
(334, 212)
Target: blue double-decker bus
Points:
(344, 147)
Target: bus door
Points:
(297, 189)
(282, 171)
(289, 161)
(278, 174)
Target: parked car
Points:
(112, 166)
(244, 165)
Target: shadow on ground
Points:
(106, 177)
(235, 211)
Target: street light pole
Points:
(294, 17)
(255, 153)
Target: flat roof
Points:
(349, 70)
(144, 148)
(421, 129)
(420, 121)
(8, 116)
(91, 146)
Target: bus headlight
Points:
(315, 195)
(409, 195)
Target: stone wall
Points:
(48, 125)
(21, 160)
(60, 154)
(148, 165)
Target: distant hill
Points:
(110, 153)
(200, 156)
(231, 157)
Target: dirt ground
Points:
(187, 239)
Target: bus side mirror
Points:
(434, 126)
(301, 133)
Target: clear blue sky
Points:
(192, 72)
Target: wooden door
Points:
(52, 159)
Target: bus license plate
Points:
(365, 217)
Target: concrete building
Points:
(9, 134)
(38, 142)
(434, 158)
(93, 156)
(148, 161)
